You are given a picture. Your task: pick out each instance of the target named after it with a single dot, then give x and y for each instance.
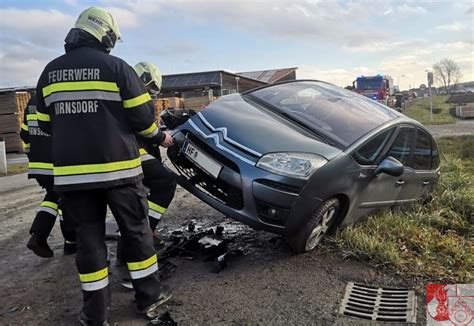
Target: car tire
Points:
(318, 225)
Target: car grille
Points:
(218, 189)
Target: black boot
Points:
(69, 248)
(39, 246)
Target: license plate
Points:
(202, 160)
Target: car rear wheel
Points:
(316, 227)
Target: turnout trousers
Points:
(162, 185)
(50, 208)
(87, 209)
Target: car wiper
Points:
(301, 124)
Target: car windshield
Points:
(336, 113)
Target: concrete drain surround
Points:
(381, 304)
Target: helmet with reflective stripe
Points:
(100, 24)
(150, 75)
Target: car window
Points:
(368, 153)
(434, 155)
(402, 145)
(422, 153)
(337, 113)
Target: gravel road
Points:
(460, 128)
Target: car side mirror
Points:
(390, 166)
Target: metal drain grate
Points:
(381, 304)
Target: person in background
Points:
(40, 168)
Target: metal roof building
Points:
(271, 76)
(220, 81)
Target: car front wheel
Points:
(318, 225)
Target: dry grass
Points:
(420, 111)
(433, 241)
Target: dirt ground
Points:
(267, 284)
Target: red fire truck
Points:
(378, 88)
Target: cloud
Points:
(125, 18)
(29, 39)
(21, 20)
(453, 27)
(382, 46)
(406, 9)
(286, 20)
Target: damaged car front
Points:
(277, 159)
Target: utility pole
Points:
(237, 82)
(398, 82)
(430, 82)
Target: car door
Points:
(402, 150)
(375, 191)
(422, 168)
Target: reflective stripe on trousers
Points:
(49, 207)
(155, 210)
(95, 281)
(143, 268)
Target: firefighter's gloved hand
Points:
(168, 141)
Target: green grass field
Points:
(432, 242)
(420, 111)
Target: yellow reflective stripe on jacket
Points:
(96, 168)
(26, 145)
(136, 101)
(80, 86)
(156, 208)
(24, 127)
(149, 131)
(43, 117)
(96, 276)
(142, 151)
(135, 266)
(40, 165)
(31, 117)
(49, 204)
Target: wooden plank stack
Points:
(465, 111)
(197, 103)
(165, 103)
(12, 105)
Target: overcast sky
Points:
(328, 40)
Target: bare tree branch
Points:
(447, 73)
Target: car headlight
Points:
(297, 165)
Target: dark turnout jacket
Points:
(93, 105)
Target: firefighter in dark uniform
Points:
(93, 105)
(161, 183)
(40, 167)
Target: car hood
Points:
(258, 129)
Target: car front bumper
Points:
(242, 191)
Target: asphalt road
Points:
(267, 284)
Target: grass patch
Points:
(432, 241)
(420, 111)
(17, 168)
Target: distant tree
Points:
(447, 73)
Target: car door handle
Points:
(399, 183)
(425, 183)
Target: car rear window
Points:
(337, 113)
